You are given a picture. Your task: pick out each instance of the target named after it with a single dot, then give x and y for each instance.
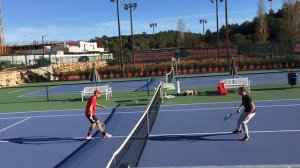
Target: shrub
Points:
(83, 59)
(4, 65)
(42, 62)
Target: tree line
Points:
(282, 26)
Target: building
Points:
(67, 47)
(57, 52)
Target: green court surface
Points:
(10, 102)
(258, 92)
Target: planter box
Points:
(74, 77)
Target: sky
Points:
(25, 21)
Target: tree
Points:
(261, 30)
(274, 28)
(291, 20)
(240, 39)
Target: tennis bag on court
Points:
(222, 89)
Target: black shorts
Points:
(94, 118)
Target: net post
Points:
(148, 124)
(47, 93)
(148, 87)
(167, 81)
(178, 86)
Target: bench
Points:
(89, 91)
(236, 83)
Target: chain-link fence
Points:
(30, 60)
(269, 50)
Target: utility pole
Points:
(227, 34)
(43, 46)
(120, 38)
(153, 25)
(218, 36)
(131, 7)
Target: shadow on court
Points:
(210, 93)
(208, 137)
(87, 145)
(72, 100)
(43, 140)
(137, 102)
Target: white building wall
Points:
(87, 46)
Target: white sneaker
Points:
(88, 137)
(107, 135)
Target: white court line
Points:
(234, 102)
(64, 110)
(60, 140)
(215, 133)
(70, 110)
(162, 135)
(247, 166)
(234, 107)
(15, 124)
(44, 89)
(135, 112)
(16, 91)
(69, 115)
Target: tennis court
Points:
(118, 86)
(182, 134)
(143, 85)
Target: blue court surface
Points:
(77, 88)
(56, 138)
(183, 135)
(197, 135)
(255, 78)
(143, 85)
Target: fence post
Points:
(47, 93)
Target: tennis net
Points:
(170, 76)
(132, 148)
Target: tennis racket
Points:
(229, 116)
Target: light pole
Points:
(120, 38)
(203, 22)
(227, 34)
(43, 46)
(153, 25)
(132, 7)
(271, 3)
(217, 16)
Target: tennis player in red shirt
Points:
(90, 114)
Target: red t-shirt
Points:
(92, 101)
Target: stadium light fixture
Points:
(203, 22)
